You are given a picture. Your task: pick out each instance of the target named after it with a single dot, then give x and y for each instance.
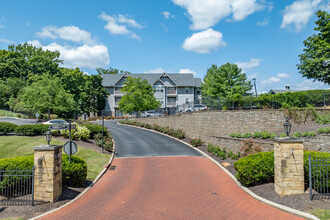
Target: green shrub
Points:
(283, 135)
(296, 134)
(323, 118)
(31, 130)
(255, 169)
(259, 168)
(221, 154)
(95, 129)
(80, 133)
(107, 141)
(325, 175)
(6, 127)
(247, 135)
(196, 142)
(74, 173)
(324, 130)
(256, 134)
(311, 134)
(304, 134)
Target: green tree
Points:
(138, 96)
(93, 98)
(110, 70)
(9, 88)
(315, 61)
(24, 60)
(225, 81)
(46, 95)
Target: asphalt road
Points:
(135, 142)
(18, 121)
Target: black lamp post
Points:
(287, 127)
(48, 136)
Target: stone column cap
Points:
(47, 147)
(288, 139)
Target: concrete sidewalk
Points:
(167, 188)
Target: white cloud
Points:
(299, 13)
(69, 33)
(264, 22)
(84, 56)
(157, 70)
(167, 14)
(252, 76)
(283, 75)
(308, 84)
(204, 41)
(206, 13)
(2, 40)
(115, 25)
(185, 71)
(245, 66)
(270, 81)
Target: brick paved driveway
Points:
(156, 177)
(167, 188)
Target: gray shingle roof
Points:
(186, 79)
(277, 91)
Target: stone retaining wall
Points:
(215, 127)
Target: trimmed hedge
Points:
(95, 129)
(31, 130)
(259, 168)
(255, 169)
(6, 127)
(74, 173)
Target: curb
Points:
(273, 204)
(107, 165)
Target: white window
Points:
(187, 100)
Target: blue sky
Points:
(264, 37)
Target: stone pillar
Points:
(289, 166)
(48, 172)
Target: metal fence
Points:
(16, 187)
(319, 173)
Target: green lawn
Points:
(4, 113)
(323, 214)
(14, 146)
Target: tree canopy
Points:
(138, 96)
(110, 70)
(225, 81)
(315, 60)
(45, 94)
(24, 67)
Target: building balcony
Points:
(171, 92)
(170, 104)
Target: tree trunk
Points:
(48, 114)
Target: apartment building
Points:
(170, 89)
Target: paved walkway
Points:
(167, 188)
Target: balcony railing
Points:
(170, 104)
(171, 92)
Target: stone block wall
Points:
(215, 126)
(48, 173)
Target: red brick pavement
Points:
(167, 188)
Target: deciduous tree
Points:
(315, 60)
(138, 96)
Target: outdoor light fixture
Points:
(48, 136)
(287, 127)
